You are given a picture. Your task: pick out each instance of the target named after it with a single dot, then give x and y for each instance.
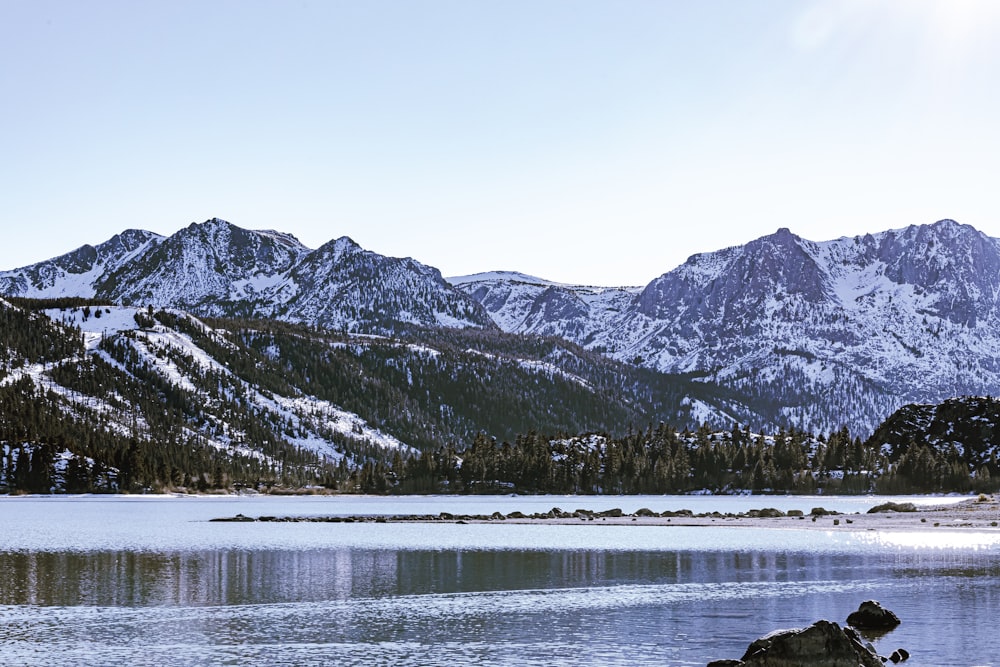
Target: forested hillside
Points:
(109, 398)
(102, 398)
(107, 416)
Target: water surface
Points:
(149, 581)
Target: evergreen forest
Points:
(97, 398)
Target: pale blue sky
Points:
(581, 141)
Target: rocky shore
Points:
(981, 514)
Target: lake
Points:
(98, 580)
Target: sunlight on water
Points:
(932, 539)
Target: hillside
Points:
(262, 403)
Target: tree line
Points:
(665, 460)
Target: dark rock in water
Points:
(893, 507)
(822, 511)
(873, 616)
(239, 518)
(645, 511)
(822, 644)
(899, 655)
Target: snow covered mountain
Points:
(77, 272)
(216, 268)
(814, 335)
(781, 331)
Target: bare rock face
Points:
(871, 615)
(822, 644)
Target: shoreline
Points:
(980, 514)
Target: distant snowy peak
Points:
(204, 268)
(501, 276)
(219, 269)
(526, 279)
(945, 269)
(343, 285)
(521, 303)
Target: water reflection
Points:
(503, 607)
(240, 577)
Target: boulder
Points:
(821, 511)
(872, 616)
(822, 644)
(893, 507)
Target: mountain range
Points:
(218, 269)
(811, 334)
(781, 331)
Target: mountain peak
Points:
(949, 225)
(783, 237)
(345, 242)
(210, 223)
(509, 276)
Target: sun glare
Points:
(950, 30)
(941, 538)
(955, 29)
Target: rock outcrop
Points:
(872, 616)
(823, 644)
(893, 507)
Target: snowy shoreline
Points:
(980, 514)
